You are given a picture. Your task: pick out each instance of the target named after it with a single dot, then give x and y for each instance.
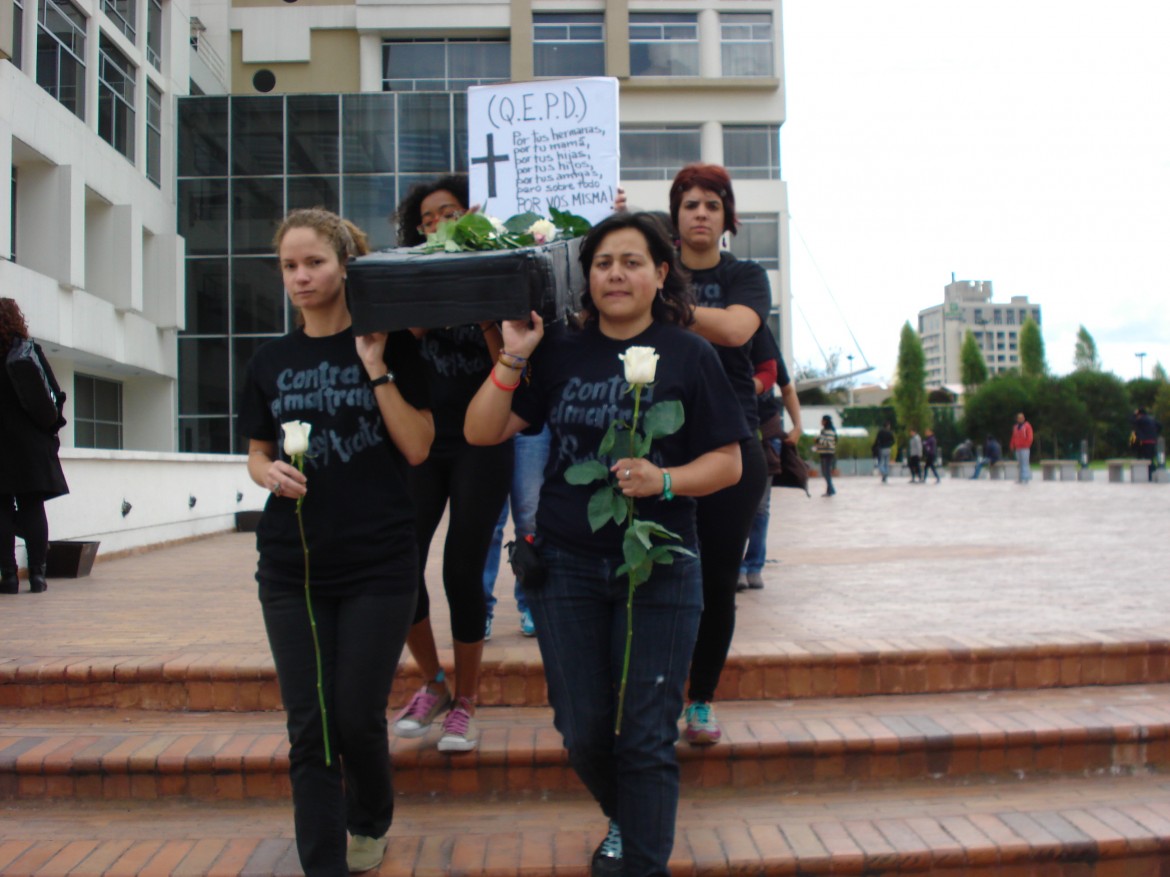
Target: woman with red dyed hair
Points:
(733, 302)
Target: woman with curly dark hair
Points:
(30, 472)
(733, 302)
(636, 296)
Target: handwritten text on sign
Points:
(536, 145)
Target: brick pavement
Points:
(983, 563)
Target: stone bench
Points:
(963, 469)
(1059, 470)
(1002, 471)
(1118, 468)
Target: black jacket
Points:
(28, 454)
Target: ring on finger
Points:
(627, 473)
(276, 488)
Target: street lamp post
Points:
(1141, 357)
(850, 358)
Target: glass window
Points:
(97, 412)
(368, 128)
(203, 376)
(207, 297)
(657, 153)
(312, 139)
(257, 296)
(443, 65)
(758, 238)
(369, 201)
(664, 44)
(122, 13)
(752, 152)
(154, 29)
(203, 216)
(424, 133)
(257, 207)
(17, 33)
(115, 98)
(61, 54)
(257, 135)
(1010, 317)
(570, 44)
(153, 134)
(997, 317)
(314, 192)
(203, 137)
(205, 435)
(746, 43)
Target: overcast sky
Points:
(1023, 142)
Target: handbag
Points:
(793, 469)
(33, 388)
(527, 564)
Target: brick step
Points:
(1079, 827)
(816, 743)
(513, 676)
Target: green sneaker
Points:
(364, 853)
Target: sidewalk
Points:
(985, 562)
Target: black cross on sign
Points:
(490, 160)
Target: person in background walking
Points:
(826, 447)
(30, 472)
(930, 456)
(992, 454)
(1145, 436)
(883, 446)
(914, 456)
(1021, 445)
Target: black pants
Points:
(724, 523)
(476, 481)
(361, 641)
(927, 467)
(1149, 451)
(23, 513)
(916, 469)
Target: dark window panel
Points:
(314, 192)
(203, 216)
(242, 352)
(203, 137)
(207, 297)
(424, 136)
(257, 296)
(203, 376)
(369, 202)
(257, 208)
(257, 135)
(368, 133)
(313, 127)
(205, 435)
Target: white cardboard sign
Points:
(551, 143)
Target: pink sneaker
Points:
(459, 731)
(702, 729)
(418, 716)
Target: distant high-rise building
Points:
(967, 305)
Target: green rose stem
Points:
(630, 595)
(299, 460)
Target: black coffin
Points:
(400, 289)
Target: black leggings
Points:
(476, 481)
(361, 641)
(724, 523)
(24, 512)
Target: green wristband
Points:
(666, 492)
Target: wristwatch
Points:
(387, 378)
(667, 493)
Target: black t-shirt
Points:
(764, 347)
(577, 386)
(458, 362)
(734, 282)
(358, 514)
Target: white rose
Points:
(542, 231)
(498, 225)
(641, 363)
(296, 437)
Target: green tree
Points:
(1161, 410)
(1032, 360)
(993, 408)
(1059, 418)
(1085, 356)
(972, 366)
(1142, 392)
(910, 392)
(1159, 373)
(1103, 395)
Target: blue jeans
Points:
(581, 627)
(757, 547)
(884, 462)
(527, 477)
(1023, 456)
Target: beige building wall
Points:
(332, 66)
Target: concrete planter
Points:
(70, 560)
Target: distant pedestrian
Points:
(1021, 444)
(883, 445)
(826, 447)
(992, 454)
(914, 456)
(929, 456)
(964, 452)
(1145, 438)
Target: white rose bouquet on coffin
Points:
(478, 231)
(296, 446)
(608, 503)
